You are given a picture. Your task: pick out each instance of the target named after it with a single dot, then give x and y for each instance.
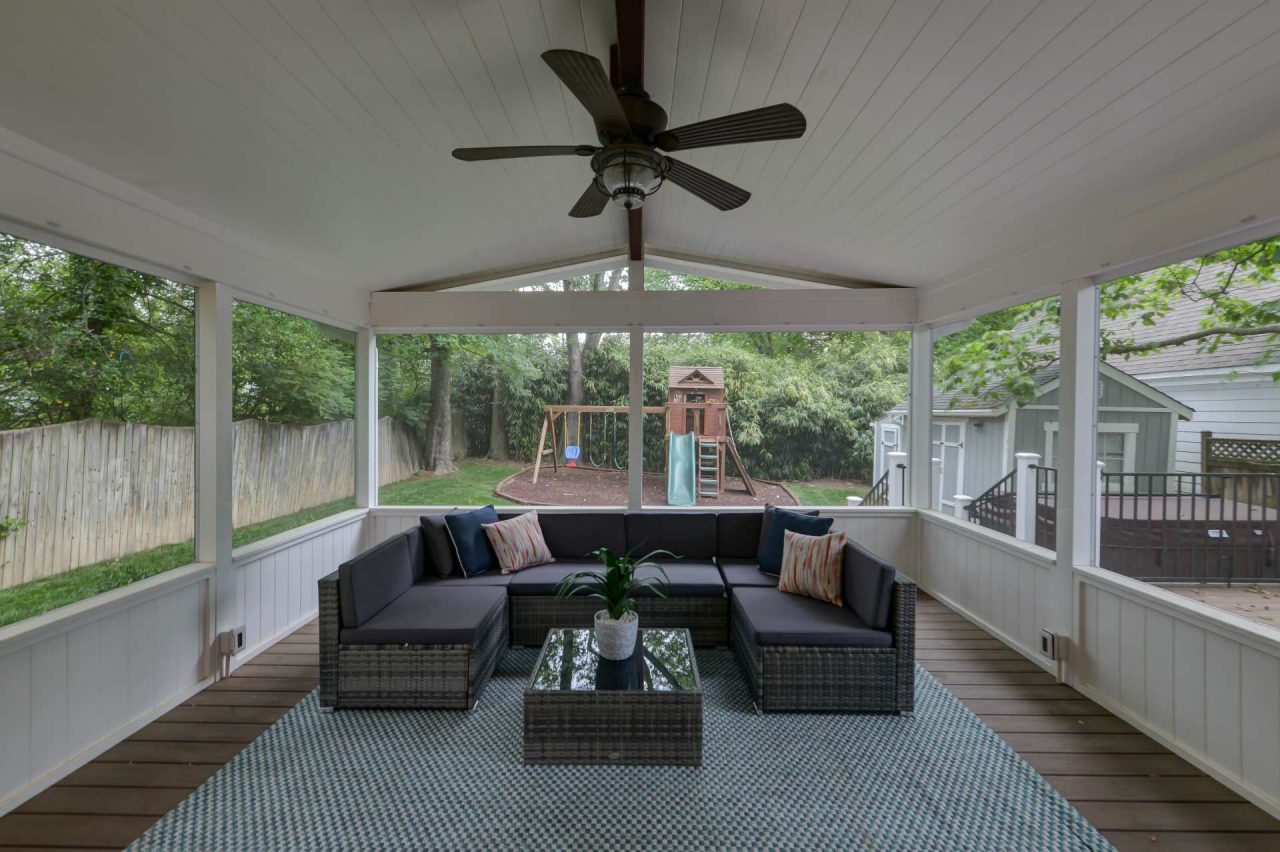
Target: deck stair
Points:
(708, 468)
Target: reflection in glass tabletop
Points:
(663, 662)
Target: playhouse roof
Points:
(696, 377)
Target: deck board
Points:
(1138, 794)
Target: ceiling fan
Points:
(632, 128)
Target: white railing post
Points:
(368, 468)
(920, 418)
(937, 485)
(853, 501)
(898, 472)
(1024, 483)
(962, 506)
(215, 447)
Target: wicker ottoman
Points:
(579, 708)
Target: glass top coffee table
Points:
(580, 708)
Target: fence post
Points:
(962, 506)
(1024, 486)
(897, 478)
(937, 485)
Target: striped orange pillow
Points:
(812, 565)
(518, 542)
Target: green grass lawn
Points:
(472, 485)
(39, 596)
(819, 495)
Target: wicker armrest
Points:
(330, 623)
(902, 623)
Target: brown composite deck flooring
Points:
(1137, 793)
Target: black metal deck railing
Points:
(879, 493)
(996, 507)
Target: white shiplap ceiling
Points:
(301, 147)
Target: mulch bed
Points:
(585, 487)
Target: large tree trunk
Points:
(576, 389)
(440, 415)
(498, 423)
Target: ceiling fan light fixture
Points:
(628, 175)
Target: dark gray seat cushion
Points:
(543, 579)
(372, 580)
(866, 584)
(745, 572)
(738, 534)
(575, 535)
(689, 579)
(492, 577)
(689, 535)
(772, 617)
(428, 614)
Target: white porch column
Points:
(214, 449)
(366, 418)
(920, 417)
(899, 471)
(635, 422)
(1077, 499)
(962, 506)
(1024, 483)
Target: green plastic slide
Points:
(682, 473)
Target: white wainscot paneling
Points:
(1203, 682)
(277, 577)
(78, 680)
(995, 581)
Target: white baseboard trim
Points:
(110, 740)
(1049, 666)
(247, 656)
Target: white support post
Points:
(1097, 538)
(937, 485)
(920, 417)
(1077, 481)
(635, 423)
(214, 450)
(899, 471)
(366, 419)
(1024, 484)
(635, 275)
(962, 506)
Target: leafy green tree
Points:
(998, 356)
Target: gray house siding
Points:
(984, 461)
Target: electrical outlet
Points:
(1049, 644)
(231, 642)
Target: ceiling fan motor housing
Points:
(628, 173)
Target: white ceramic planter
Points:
(616, 640)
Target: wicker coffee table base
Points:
(613, 728)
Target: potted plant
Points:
(617, 585)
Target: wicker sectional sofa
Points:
(395, 633)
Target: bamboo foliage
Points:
(92, 490)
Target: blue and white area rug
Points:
(373, 779)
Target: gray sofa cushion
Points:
(738, 534)
(688, 579)
(441, 559)
(488, 578)
(772, 617)
(372, 580)
(430, 615)
(417, 542)
(867, 585)
(689, 535)
(745, 572)
(575, 535)
(543, 579)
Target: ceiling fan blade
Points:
(718, 193)
(780, 121)
(583, 75)
(513, 151)
(590, 203)
(630, 17)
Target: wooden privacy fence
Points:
(92, 490)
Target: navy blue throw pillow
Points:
(783, 520)
(475, 554)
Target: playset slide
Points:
(682, 473)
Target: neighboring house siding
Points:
(1247, 406)
(984, 461)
